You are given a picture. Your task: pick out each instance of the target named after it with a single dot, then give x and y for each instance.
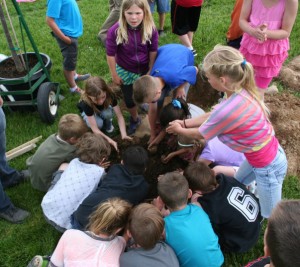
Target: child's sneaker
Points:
(39, 261)
(110, 130)
(108, 126)
(133, 125)
(82, 77)
(161, 33)
(194, 52)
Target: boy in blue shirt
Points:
(187, 227)
(173, 70)
(64, 19)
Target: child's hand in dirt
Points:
(114, 144)
(152, 149)
(166, 158)
(104, 164)
(128, 138)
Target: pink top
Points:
(269, 55)
(76, 249)
(240, 123)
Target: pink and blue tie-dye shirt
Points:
(241, 124)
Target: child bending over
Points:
(98, 246)
(188, 228)
(125, 180)
(173, 70)
(55, 150)
(146, 227)
(233, 211)
(74, 182)
(241, 122)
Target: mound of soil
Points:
(285, 117)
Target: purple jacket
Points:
(133, 56)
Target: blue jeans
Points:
(103, 118)
(269, 181)
(6, 172)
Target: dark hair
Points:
(146, 225)
(282, 234)
(200, 177)
(171, 112)
(173, 189)
(135, 159)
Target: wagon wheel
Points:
(47, 102)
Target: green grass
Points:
(19, 243)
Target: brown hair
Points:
(109, 216)
(282, 234)
(200, 177)
(144, 88)
(71, 125)
(95, 86)
(92, 148)
(146, 225)
(173, 189)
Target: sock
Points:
(73, 89)
(191, 47)
(75, 76)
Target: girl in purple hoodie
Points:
(131, 48)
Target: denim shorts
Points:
(269, 181)
(69, 53)
(162, 6)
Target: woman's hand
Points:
(174, 127)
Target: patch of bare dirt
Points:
(285, 117)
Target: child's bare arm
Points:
(53, 26)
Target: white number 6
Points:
(245, 204)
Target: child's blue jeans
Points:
(103, 118)
(269, 181)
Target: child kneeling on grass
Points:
(125, 180)
(188, 228)
(74, 182)
(146, 227)
(99, 246)
(233, 211)
(97, 104)
(56, 149)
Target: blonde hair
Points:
(94, 86)
(71, 125)
(146, 225)
(92, 148)
(228, 61)
(109, 217)
(147, 24)
(143, 88)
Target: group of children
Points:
(95, 209)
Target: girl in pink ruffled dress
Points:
(267, 25)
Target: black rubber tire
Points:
(47, 104)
